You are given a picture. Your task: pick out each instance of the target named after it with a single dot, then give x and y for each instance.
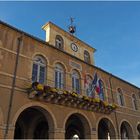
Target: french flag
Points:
(98, 87)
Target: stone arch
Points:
(40, 111)
(61, 63)
(1, 123)
(88, 74)
(84, 130)
(41, 54)
(138, 130)
(105, 128)
(1, 117)
(126, 131)
(80, 74)
(31, 105)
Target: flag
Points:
(98, 86)
(85, 81)
(93, 84)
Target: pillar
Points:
(58, 133)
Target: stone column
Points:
(10, 134)
(58, 133)
(93, 135)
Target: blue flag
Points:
(93, 84)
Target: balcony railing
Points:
(65, 97)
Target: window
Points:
(120, 97)
(102, 90)
(59, 43)
(75, 81)
(38, 70)
(86, 57)
(134, 102)
(88, 85)
(59, 76)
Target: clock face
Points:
(74, 47)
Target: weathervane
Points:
(72, 28)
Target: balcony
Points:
(45, 93)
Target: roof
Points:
(44, 42)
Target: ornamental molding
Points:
(75, 65)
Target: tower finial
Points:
(72, 28)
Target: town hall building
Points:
(52, 89)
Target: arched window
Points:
(101, 90)
(120, 97)
(134, 102)
(86, 57)
(88, 84)
(75, 81)
(59, 76)
(39, 70)
(59, 43)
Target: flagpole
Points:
(116, 120)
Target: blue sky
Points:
(113, 28)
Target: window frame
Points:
(88, 90)
(59, 42)
(76, 81)
(39, 61)
(120, 97)
(61, 72)
(87, 56)
(134, 102)
(103, 89)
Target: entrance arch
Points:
(126, 131)
(138, 129)
(106, 129)
(33, 123)
(77, 127)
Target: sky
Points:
(112, 28)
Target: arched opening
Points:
(106, 129)
(59, 42)
(86, 56)
(126, 131)
(77, 127)
(138, 129)
(33, 123)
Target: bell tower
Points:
(67, 42)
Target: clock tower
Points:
(67, 42)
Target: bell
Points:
(72, 29)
